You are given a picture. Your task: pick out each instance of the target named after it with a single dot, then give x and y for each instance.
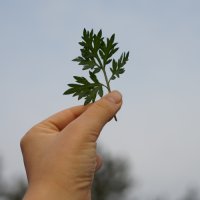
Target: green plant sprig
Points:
(96, 55)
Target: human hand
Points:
(60, 152)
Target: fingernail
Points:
(114, 97)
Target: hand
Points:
(60, 152)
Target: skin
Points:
(59, 153)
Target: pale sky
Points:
(158, 128)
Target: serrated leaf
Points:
(93, 77)
(82, 80)
(114, 45)
(89, 65)
(82, 43)
(96, 54)
(87, 101)
(97, 70)
(100, 92)
(82, 94)
(112, 38)
(84, 32)
(108, 61)
(113, 51)
(73, 85)
(99, 35)
(86, 67)
(127, 55)
(102, 54)
(78, 59)
(121, 71)
(69, 91)
(91, 33)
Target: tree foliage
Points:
(113, 180)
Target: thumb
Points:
(91, 122)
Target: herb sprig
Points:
(96, 56)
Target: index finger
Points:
(61, 119)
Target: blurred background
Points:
(152, 152)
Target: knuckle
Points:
(25, 140)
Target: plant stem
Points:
(105, 76)
(108, 84)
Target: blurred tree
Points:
(110, 183)
(13, 191)
(113, 180)
(2, 184)
(191, 194)
(17, 190)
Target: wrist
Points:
(52, 192)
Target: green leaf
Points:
(85, 89)
(108, 61)
(93, 77)
(113, 51)
(112, 38)
(99, 35)
(96, 54)
(82, 80)
(100, 92)
(102, 54)
(118, 66)
(69, 91)
(82, 44)
(97, 70)
(78, 59)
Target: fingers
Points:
(61, 119)
(97, 115)
(90, 118)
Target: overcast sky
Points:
(158, 128)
